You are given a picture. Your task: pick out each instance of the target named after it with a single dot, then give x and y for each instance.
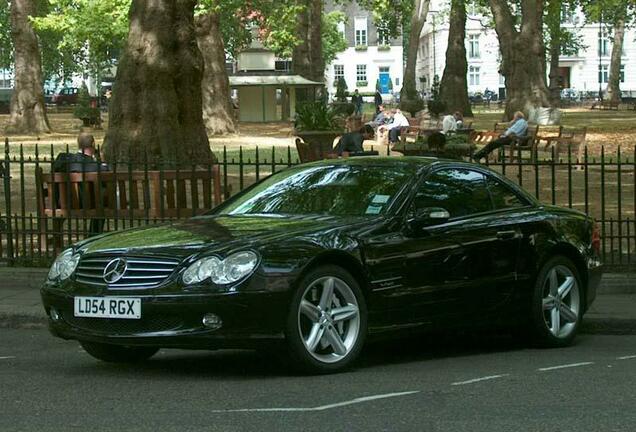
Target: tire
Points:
(325, 333)
(118, 353)
(557, 303)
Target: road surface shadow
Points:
(244, 364)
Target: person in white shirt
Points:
(451, 123)
(395, 127)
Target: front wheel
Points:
(118, 353)
(327, 321)
(557, 303)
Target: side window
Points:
(502, 196)
(461, 192)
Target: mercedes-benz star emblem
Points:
(115, 270)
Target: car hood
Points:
(221, 232)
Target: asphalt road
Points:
(427, 384)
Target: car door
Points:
(482, 264)
(410, 274)
(420, 274)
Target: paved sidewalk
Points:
(614, 310)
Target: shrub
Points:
(435, 105)
(316, 116)
(341, 90)
(84, 110)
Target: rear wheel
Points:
(557, 303)
(118, 353)
(327, 321)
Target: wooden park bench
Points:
(484, 137)
(132, 195)
(569, 140)
(525, 143)
(605, 105)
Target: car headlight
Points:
(222, 272)
(64, 265)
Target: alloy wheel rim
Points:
(561, 301)
(328, 319)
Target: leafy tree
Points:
(520, 32)
(28, 112)
(92, 32)
(6, 45)
(616, 16)
(332, 41)
(454, 87)
(155, 112)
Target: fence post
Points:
(5, 173)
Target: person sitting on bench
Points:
(518, 129)
(84, 160)
(352, 142)
(395, 127)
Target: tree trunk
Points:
(418, 18)
(301, 59)
(454, 87)
(218, 113)
(523, 56)
(613, 88)
(156, 107)
(554, 27)
(317, 62)
(307, 59)
(28, 112)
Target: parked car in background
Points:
(317, 258)
(66, 96)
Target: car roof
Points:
(416, 161)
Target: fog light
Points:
(55, 315)
(212, 321)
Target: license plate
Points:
(108, 307)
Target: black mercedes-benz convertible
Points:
(318, 257)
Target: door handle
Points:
(507, 235)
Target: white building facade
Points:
(370, 58)
(580, 72)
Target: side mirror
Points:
(428, 216)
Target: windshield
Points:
(341, 190)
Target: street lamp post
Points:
(432, 78)
(600, 57)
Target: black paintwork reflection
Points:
(476, 267)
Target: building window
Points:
(603, 74)
(622, 73)
(472, 8)
(282, 65)
(603, 44)
(383, 37)
(338, 72)
(502, 80)
(474, 75)
(567, 16)
(361, 73)
(361, 31)
(341, 29)
(473, 46)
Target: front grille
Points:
(142, 272)
(151, 324)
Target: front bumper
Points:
(175, 320)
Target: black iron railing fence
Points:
(42, 213)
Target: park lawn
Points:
(606, 129)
